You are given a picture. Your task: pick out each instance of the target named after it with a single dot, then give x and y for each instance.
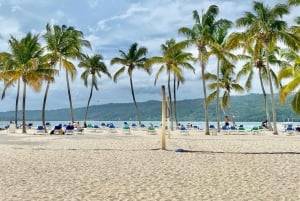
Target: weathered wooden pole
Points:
(163, 119)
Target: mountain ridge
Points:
(245, 108)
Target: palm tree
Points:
(134, 59)
(202, 36)
(293, 2)
(290, 71)
(7, 64)
(224, 57)
(172, 61)
(227, 84)
(266, 26)
(25, 64)
(94, 66)
(64, 44)
(255, 60)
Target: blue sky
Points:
(110, 26)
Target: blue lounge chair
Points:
(40, 129)
(69, 130)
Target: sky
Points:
(110, 26)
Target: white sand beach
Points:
(114, 166)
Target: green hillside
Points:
(245, 108)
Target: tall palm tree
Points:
(25, 64)
(225, 57)
(202, 36)
(266, 26)
(134, 59)
(94, 66)
(173, 60)
(64, 44)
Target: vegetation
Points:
(266, 41)
(135, 58)
(246, 108)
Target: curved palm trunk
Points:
(170, 101)
(88, 104)
(275, 132)
(44, 106)
(265, 99)
(230, 109)
(218, 99)
(205, 104)
(135, 104)
(175, 101)
(17, 103)
(24, 109)
(70, 97)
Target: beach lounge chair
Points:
(290, 129)
(212, 129)
(112, 128)
(151, 130)
(58, 130)
(225, 129)
(40, 130)
(12, 128)
(254, 130)
(69, 130)
(126, 129)
(241, 129)
(184, 130)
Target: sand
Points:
(115, 166)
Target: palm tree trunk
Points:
(44, 106)
(175, 101)
(275, 132)
(265, 99)
(230, 109)
(170, 101)
(24, 108)
(88, 104)
(205, 104)
(17, 103)
(218, 99)
(135, 104)
(70, 97)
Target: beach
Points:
(117, 166)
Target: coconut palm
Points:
(94, 67)
(134, 59)
(172, 62)
(25, 64)
(225, 57)
(266, 26)
(227, 83)
(290, 71)
(202, 36)
(64, 44)
(7, 65)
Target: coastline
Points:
(118, 166)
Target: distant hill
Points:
(246, 108)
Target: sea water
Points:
(119, 124)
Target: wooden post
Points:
(163, 119)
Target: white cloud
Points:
(110, 26)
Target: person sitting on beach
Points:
(265, 124)
(226, 120)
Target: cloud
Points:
(111, 26)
